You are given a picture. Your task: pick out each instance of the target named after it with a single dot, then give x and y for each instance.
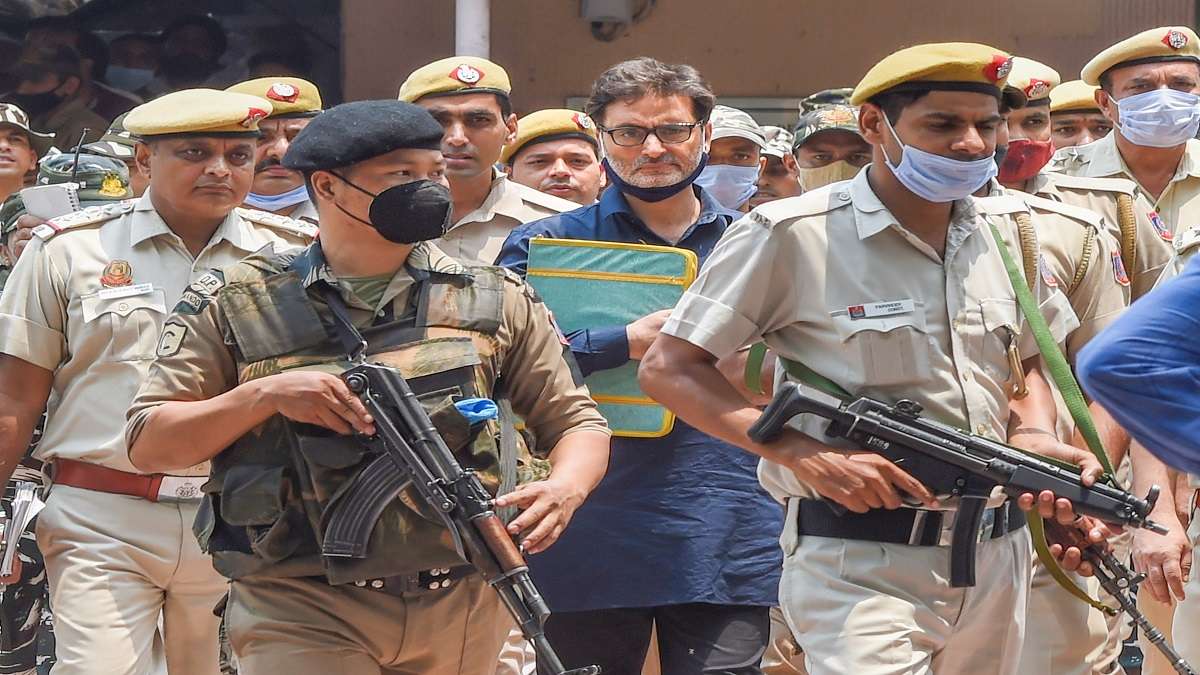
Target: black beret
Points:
(353, 132)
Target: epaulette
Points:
(1187, 240)
(814, 203)
(92, 215)
(1001, 204)
(299, 228)
(1074, 156)
(1086, 216)
(1090, 183)
(556, 204)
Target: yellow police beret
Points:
(549, 125)
(1169, 43)
(289, 96)
(1073, 95)
(455, 75)
(199, 112)
(963, 66)
(1035, 80)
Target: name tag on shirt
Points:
(873, 310)
(125, 291)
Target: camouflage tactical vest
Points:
(267, 502)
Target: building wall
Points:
(746, 48)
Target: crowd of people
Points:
(170, 357)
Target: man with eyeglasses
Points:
(696, 534)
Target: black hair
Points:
(216, 32)
(93, 48)
(298, 60)
(635, 78)
(893, 102)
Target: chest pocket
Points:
(132, 323)
(892, 349)
(1001, 327)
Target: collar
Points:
(425, 259)
(502, 199)
(612, 202)
(147, 224)
(1106, 158)
(871, 216)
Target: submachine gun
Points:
(412, 453)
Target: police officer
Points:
(828, 146)
(1150, 89)
(378, 177)
(21, 145)
(120, 144)
(734, 158)
(931, 328)
(1075, 117)
(778, 178)
(556, 152)
(469, 96)
(276, 188)
(80, 318)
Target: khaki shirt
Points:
(479, 235)
(195, 363)
(73, 308)
(1099, 195)
(832, 280)
(1179, 203)
(306, 210)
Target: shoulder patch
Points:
(299, 228)
(92, 215)
(1044, 270)
(199, 293)
(1119, 272)
(1164, 232)
(171, 339)
(1072, 157)
(1085, 216)
(1187, 240)
(1069, 182)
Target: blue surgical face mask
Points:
(728, 184)
(129, 79)
(277, 202)
(936, 178)
(1163, 118)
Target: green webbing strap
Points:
(815, 380)
(754, 364)
(1060, 371)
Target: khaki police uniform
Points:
(479, 235)
(859, 606)
(86, 301)
(282, 618)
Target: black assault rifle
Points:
(413, 453)
(954, 462)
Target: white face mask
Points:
(1163, 118)
(730, 185)
(936, 178)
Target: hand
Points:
(15, 577)
(1165, 559)
(546, 508)
(1068, 542)
(1047, 504)
(19, 238)
(314, 397)
(861, 481)
(641, 333)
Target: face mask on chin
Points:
(935, 178)
(653, 194)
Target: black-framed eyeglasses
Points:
(669, 134)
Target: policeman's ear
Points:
(789, 163)
(511, 123)
(321, 185)
(762, 164)
(1108, 105)
(141, 158)
(871, 123)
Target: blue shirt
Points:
(677, 519)
(1145, 370)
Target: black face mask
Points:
(409, 213)
(35, 104)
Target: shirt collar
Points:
(872, 217)
(503, 198)
(613, 201)
(1106, 158)
(147, 224)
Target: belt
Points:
(913, 527)
(436, 579)
(155, 487)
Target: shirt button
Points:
(844, 196)
(981, 429)
(377, 583)
(124, 307)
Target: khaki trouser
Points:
(517, 656)
(783, 656)
(115, 564)
(307, 627)
(866, 608)
(1186, 626)
(1063, 634)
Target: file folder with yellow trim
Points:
(600, 283)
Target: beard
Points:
(680, 168)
